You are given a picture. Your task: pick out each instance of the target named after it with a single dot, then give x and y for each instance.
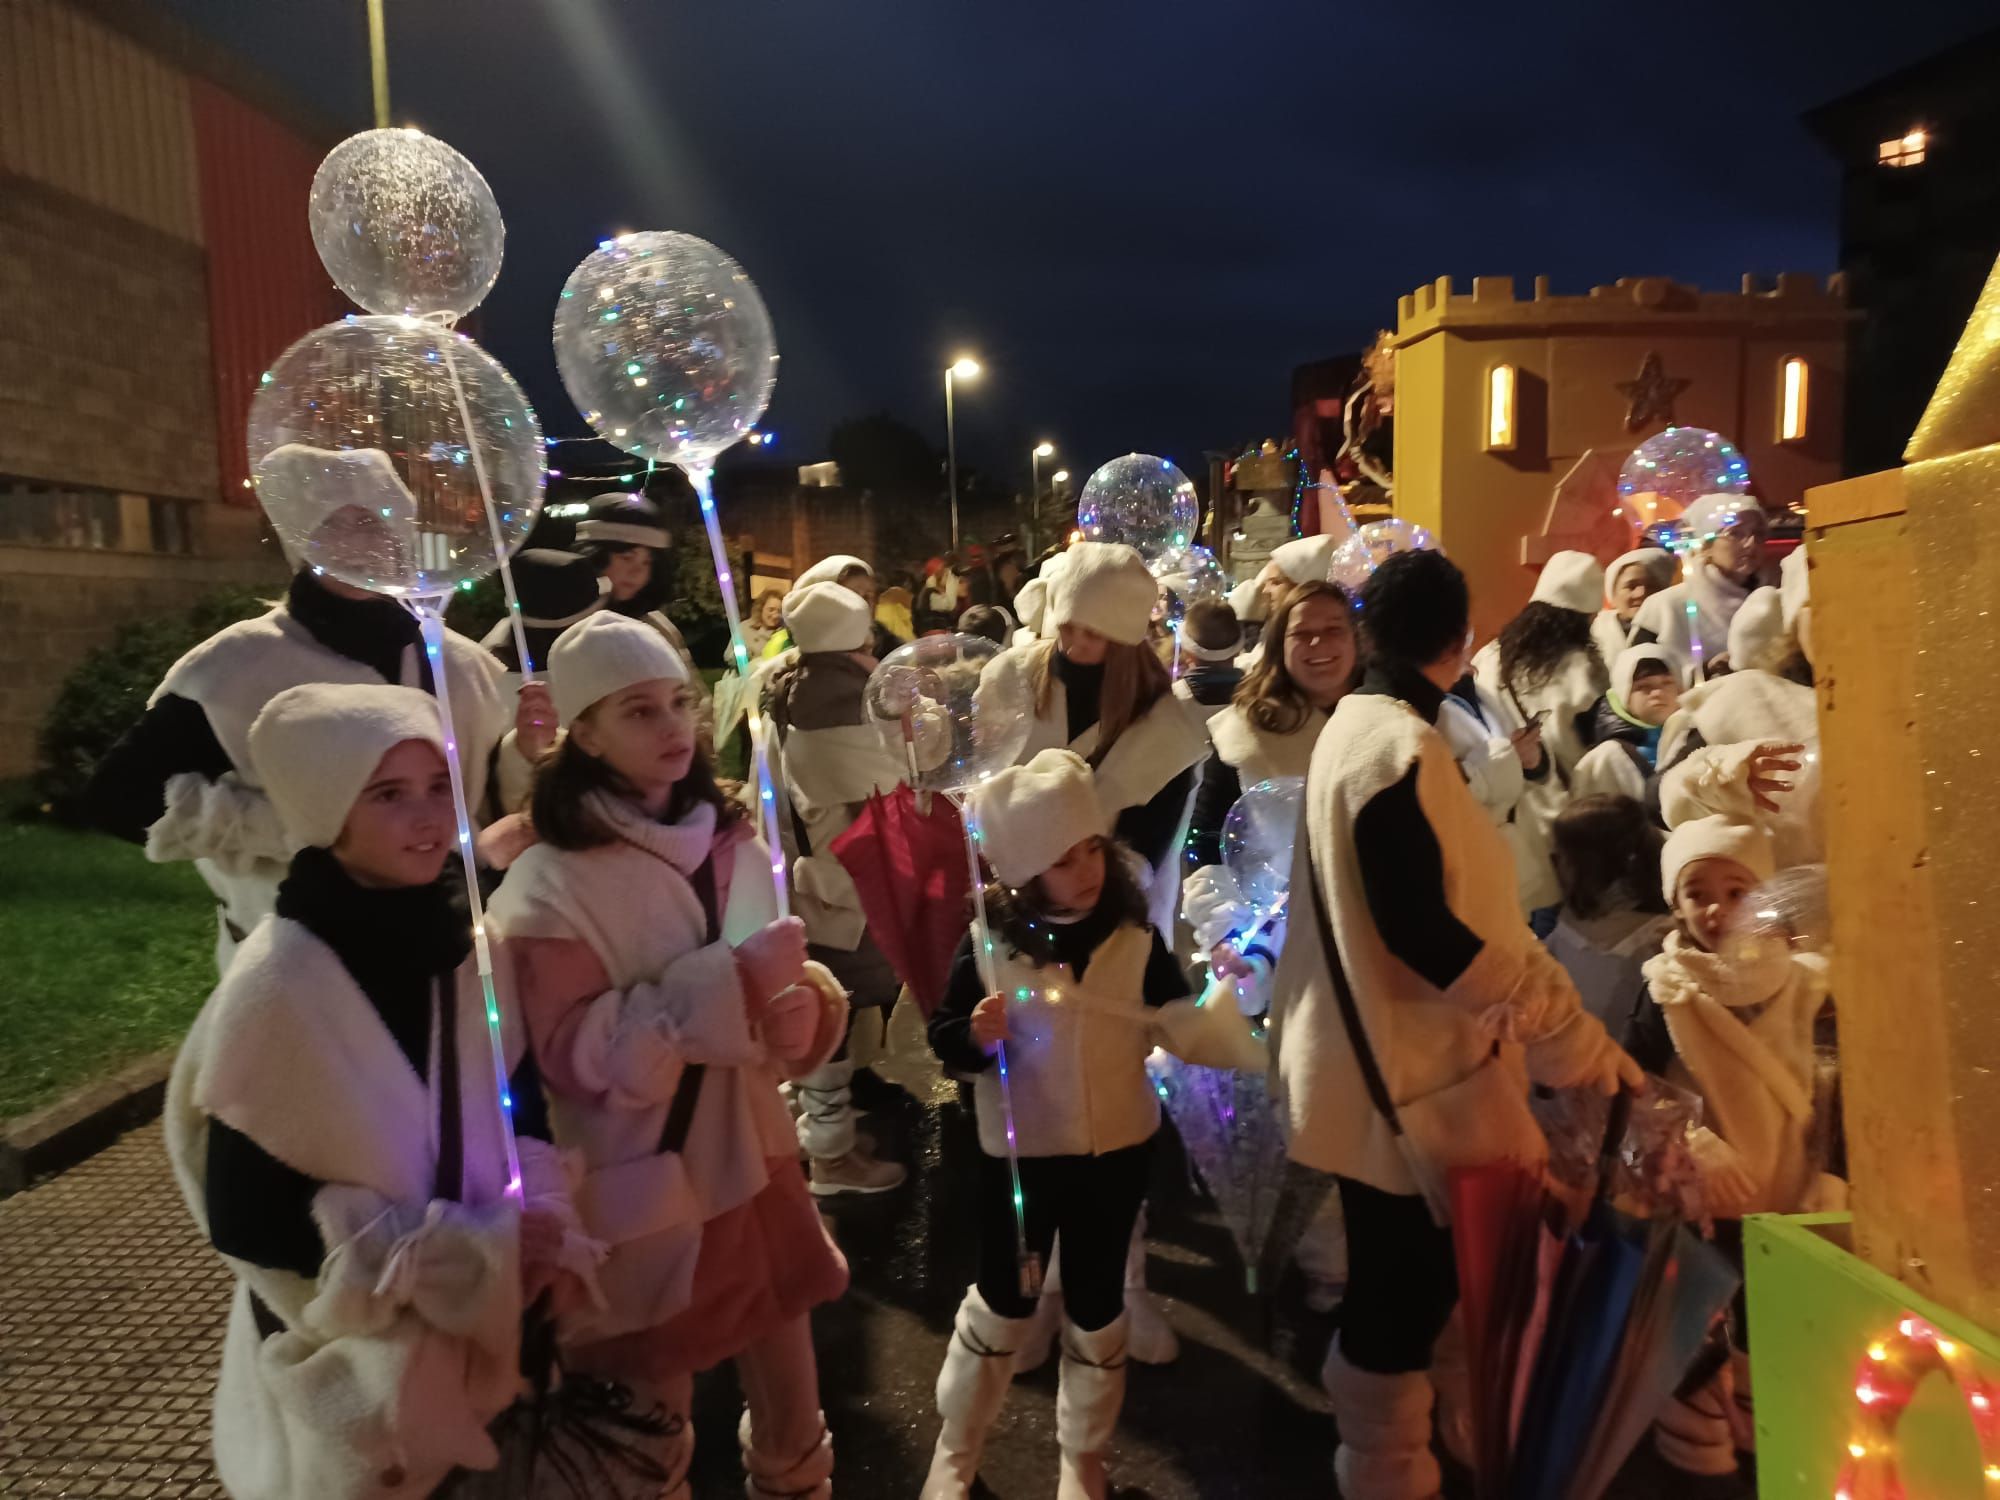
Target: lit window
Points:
(1500, 408)
(1794, 388)
(1905, 151)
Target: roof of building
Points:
(1953, 85)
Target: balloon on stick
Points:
(1142, 501)
(664, 345)
(953, 724)
(1361, 554)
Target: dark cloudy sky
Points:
(1139, 213)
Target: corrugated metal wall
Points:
(86, 110)
(266, 285)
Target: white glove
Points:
(1726, 1183)
(1212, 901)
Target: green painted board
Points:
(1814, 1309)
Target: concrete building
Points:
(154, 258)
(1513, 416)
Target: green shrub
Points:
(105, 693)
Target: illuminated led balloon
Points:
(950, 727)
(1361, 554)
(1788, 911)
(1257, 839)
(1142, 501)
(1187, 578)
(405, 224)
(665, 347)
(1671, 470)
(363, 462)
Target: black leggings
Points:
(1093, 1200)
(1402, 1281)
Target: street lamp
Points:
(965, 367)
(1035, 457)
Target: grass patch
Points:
(108, 957)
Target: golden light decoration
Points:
(1884, 1384)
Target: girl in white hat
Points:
(1086, 989)
(1537, 683)
(335, 1123)
(1629, 582)
(666, 1002)
(1694, 615)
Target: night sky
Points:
(1140, 216)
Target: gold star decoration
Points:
(1652, 394)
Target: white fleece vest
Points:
(1258, 754)
(823, 775)
(381, 1380)
(238, 670)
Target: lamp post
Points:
(1035, 456)
(963, 368)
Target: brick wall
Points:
(104, 362)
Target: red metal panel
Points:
(265, 283)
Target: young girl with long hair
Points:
(665, 1002)
(1085, 990)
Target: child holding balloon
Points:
(666, 1000)
(1082, 989)
(335, 1123)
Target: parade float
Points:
(1875, 1337)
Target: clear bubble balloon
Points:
(1788, 912)
(1671, 470)
(1188, 577)
(665, 347)
(950, 725)
(364, 463)
(1361, 554)
(1142, 501)
(1257, 839)
(405, 224)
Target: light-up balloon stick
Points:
(665, 347)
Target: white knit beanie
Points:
(1030, 816)
(1758, 623)
(1105, 587)
(602, 655)
(1571, 580)
(1657, 561)
(1305, 559)
(827, 617)
(314, 747)
(1714, 838)
(1627, 665)
(1714, 514)
(829, 569)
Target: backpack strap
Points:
(680, 1113)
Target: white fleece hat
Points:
(1628, 662)
(829, 569)
(1571, 580)
(1758, 623)
(827, 617)
(1715, 837)
(1306, 559)
(1030, 816)
(1104, 587)
(1712, 514)
(1657, 561)
(1794, 584)
(1031, 603)
(315, 746)
(603, 654)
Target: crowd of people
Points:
(1518, 867)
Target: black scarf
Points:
(393, 943)
(1394, 679)
(1082, 687)
(372, 631)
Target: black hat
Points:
(556, 589)
(619, 518)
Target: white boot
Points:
(1385, 1432)
(1153, 1340)
(1038, 1339)
(971, 1389)
(1087, 1403)
(785, 1476)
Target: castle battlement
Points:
(1793, 300)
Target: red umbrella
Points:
(908, 866)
